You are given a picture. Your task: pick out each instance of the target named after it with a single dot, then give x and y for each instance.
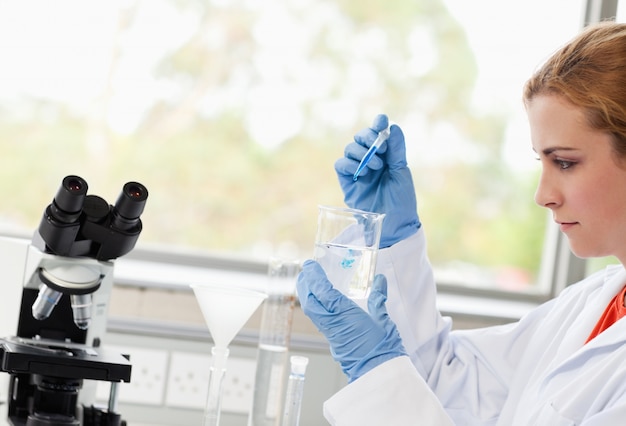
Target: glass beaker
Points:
(346, 245)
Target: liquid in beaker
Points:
(350, 269)
(346, 246)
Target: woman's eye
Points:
(563, 164)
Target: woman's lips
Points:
(565, 226)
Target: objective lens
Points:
(81, 308)
(46, 300)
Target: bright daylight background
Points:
(232, 113)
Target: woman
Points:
(562, 364)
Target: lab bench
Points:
(155, 318)
(169, 345)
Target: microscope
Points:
(63, 278)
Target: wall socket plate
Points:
(147, 379)
(188, 382)
(238, 386)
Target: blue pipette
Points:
(382, 137)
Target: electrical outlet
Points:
(188, 382)
(147, 380)
(238, 385)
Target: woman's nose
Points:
(547, 194)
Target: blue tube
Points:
(382, 137)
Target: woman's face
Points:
(581, 181)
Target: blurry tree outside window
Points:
(232, 113)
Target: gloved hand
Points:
(385, 185)
(358, 341)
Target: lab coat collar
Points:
(614, 282)
(608, 340)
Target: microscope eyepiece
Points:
(68, 201)
(136, 190)
(129, 205)
(73, 184)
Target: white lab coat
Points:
(537, 371)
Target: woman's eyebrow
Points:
(550, 150)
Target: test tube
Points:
(295, 388)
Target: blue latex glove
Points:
(385, 185)
(358, 341)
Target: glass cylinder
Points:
(274, 339)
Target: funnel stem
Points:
(216, 376)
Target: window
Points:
(232, 113)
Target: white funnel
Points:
(226, 309)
